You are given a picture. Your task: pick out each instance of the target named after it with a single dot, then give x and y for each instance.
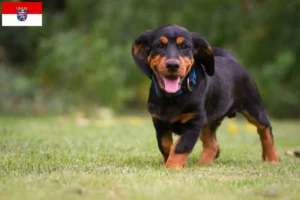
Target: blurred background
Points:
(80, 59)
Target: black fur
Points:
(223, 89)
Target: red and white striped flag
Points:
(22, 14)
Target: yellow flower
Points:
(232, 128)
(135, 120)
(102, 123)
(250, 127)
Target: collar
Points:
(190, 84)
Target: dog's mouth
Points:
(171, 84)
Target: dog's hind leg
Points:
(209, 142)
(257, 115)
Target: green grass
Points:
(57, 158)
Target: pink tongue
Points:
(171, 85)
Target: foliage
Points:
(81, 55)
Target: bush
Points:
(81, 56)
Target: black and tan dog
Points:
(194, 87)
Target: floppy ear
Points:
(203, 54)
(140, 52)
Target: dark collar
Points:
(188, 84)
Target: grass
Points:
(60, 158)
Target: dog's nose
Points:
(172, 66)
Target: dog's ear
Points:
(203, 54)
(140, 52)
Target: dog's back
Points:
(217, 51)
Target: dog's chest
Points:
(171, 113)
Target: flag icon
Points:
(22, 14)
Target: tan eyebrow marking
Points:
(164, 39)
(179, 40)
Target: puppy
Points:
(194, 87)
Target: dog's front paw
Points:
(176, 161)
(174, 165)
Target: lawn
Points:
(64, 158)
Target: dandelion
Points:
(249, 127)
(102, 123)
(135, 120)
(232, 128)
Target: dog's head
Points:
(170, 52)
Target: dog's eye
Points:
(160, 46)
(183, 46)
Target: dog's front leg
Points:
(164, 137)
(183, 146)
